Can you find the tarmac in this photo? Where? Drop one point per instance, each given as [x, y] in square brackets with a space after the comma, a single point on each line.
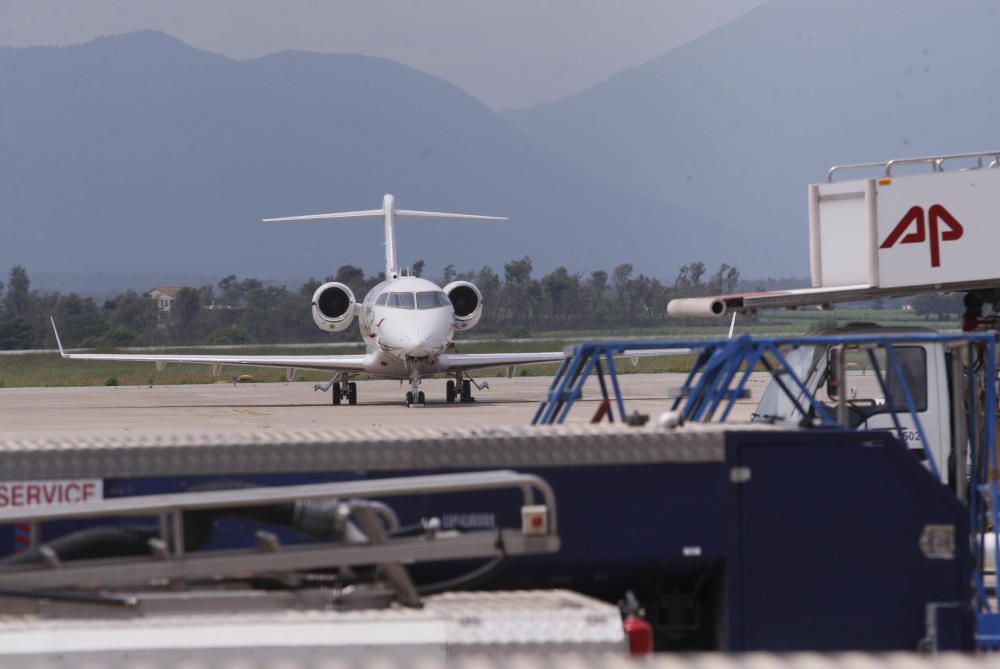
[223, 407]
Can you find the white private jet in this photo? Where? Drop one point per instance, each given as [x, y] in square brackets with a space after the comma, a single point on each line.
[407, 324]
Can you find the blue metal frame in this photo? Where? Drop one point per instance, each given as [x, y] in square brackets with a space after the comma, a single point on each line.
[709, 387]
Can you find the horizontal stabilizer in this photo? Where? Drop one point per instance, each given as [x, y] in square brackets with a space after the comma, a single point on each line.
[388, 213]
[370, 213]
[410, 213]
[380, 213]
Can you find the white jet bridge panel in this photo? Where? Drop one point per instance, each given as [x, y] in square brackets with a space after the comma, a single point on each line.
[938, 229]
[838, 222]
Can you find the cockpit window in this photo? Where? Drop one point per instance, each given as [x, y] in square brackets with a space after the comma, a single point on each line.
[401, 300]
[432, 299]
[382, 298]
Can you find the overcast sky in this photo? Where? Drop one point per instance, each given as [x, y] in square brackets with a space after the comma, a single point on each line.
[507, 53]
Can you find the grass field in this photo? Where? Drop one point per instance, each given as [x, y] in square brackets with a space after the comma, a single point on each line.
[48, 369]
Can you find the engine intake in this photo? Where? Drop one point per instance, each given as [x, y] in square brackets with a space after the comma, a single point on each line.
[467, 302]
[333, 307]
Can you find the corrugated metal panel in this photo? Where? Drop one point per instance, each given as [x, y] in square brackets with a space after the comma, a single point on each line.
[449, 624]
[369, 450]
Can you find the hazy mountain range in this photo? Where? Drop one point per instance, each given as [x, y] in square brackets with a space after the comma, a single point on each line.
[735, 125]
[138, 155]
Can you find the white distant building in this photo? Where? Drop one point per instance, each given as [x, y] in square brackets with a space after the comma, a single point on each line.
[164, 296]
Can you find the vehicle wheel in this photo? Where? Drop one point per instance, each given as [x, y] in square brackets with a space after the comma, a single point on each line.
[449, 392]
[466, 390]
[409, 397]
[336, 394]
[420, 397]
[352, 393]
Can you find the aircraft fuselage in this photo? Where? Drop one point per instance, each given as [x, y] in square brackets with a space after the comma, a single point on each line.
[406, 323]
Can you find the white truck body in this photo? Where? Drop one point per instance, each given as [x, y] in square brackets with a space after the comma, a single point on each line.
[925, 370]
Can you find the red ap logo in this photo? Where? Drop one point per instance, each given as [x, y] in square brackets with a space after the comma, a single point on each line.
[935, 215]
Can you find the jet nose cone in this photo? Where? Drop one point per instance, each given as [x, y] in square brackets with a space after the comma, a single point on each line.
[421, 346]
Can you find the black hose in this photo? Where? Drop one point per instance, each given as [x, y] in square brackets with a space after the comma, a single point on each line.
[316, 519]
[91, 543]
[471, 579]
[467, 581]
[411, 530]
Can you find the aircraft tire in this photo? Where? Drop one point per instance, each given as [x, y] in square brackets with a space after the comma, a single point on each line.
[420, 397]
[337, 396]
[449, 392]
[409, 397]
[466, 390]
[352, 393]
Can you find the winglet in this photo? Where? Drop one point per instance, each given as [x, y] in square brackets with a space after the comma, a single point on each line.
[58, 343]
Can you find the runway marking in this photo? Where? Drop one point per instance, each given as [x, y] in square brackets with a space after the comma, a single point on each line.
[251, 411]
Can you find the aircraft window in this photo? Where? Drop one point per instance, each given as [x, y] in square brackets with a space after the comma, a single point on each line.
[863, 388]
[401, 300]
[913, 362]
[432, 299]
[382, 298]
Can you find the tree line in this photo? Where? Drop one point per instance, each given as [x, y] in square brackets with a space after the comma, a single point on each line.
[247, 311]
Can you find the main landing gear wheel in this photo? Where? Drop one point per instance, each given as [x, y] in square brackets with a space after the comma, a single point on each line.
[449, 392]
[352, 393]
[467, 391]
[337, 396]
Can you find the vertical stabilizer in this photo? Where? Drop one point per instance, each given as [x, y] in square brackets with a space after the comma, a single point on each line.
[389, 208]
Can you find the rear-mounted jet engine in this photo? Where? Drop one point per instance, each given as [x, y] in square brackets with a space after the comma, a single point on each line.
[333, 307]
[467, 302]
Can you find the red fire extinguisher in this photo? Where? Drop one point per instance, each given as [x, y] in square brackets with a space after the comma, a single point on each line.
[638, 632]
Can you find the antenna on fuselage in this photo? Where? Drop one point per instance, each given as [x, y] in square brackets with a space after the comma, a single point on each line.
[388, 213]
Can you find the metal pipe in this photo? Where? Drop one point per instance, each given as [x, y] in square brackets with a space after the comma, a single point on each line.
[960, 439]
[841, 389]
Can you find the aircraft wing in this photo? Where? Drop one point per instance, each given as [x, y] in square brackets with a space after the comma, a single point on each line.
[463, 361]
[324, 363]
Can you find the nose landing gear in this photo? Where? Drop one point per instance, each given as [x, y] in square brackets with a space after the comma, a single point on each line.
[415, 396]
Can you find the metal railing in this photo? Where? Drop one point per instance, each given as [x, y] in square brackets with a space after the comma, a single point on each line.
[168, 561]
[936, 163]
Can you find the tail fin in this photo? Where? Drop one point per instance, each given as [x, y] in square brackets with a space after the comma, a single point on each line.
[388, 212]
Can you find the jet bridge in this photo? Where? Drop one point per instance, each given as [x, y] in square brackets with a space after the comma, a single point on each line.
[914, 225]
